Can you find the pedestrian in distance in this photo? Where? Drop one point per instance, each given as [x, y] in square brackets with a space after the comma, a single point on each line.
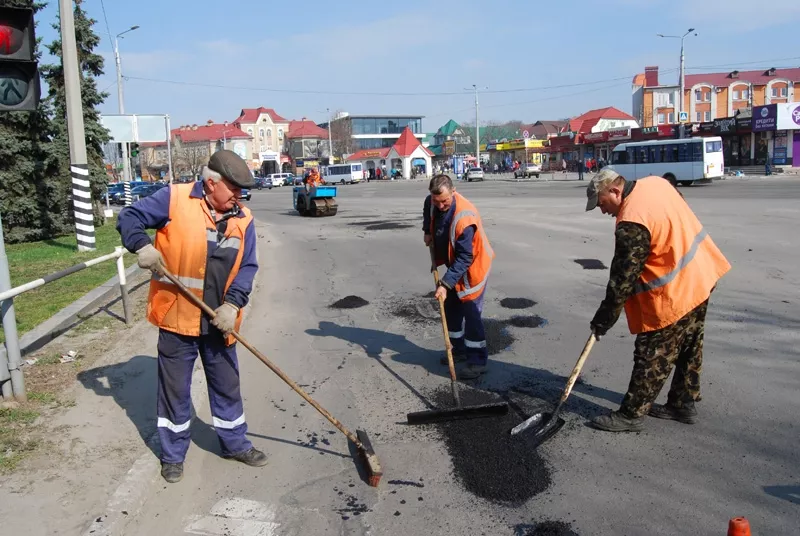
[208, 241]
[452, 226]
[664, 269]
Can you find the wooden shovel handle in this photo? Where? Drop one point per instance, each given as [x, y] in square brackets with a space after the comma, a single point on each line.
[210, 312]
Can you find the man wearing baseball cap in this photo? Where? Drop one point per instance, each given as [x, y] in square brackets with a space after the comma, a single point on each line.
[664, 269]
[208, 241]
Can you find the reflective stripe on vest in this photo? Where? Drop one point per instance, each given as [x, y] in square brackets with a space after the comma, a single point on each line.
[666, 278]
[189, 282]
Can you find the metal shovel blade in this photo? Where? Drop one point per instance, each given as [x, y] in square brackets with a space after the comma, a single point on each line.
[545, 427]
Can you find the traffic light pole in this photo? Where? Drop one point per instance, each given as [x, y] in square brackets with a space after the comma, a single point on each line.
[78, 166]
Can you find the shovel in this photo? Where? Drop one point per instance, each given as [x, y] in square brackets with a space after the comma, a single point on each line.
[552, 423]
[459, 412]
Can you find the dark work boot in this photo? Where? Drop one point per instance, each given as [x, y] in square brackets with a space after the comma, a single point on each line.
[686, 414]
[172, 472]
[617, 422]
[252, 457]
[458, 357]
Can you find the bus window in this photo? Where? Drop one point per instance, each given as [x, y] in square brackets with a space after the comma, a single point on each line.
[713, 146]
[697, 152]
[683, 152]
[631, 157]
[653, 155]
[642, 156]
[619, 157]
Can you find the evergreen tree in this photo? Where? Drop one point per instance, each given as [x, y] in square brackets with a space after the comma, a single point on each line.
[27, 167]
[90, 66]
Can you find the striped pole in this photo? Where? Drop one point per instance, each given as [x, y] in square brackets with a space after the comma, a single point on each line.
[126, 186]
[82, 206]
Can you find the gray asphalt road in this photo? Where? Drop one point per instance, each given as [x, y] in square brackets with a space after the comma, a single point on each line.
[370, 367]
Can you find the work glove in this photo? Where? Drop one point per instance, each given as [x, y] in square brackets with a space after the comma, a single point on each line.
[598, 332]
[225, 318]
[150, 258]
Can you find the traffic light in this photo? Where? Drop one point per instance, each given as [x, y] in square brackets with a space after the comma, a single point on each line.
[19, 73]
[134, 150]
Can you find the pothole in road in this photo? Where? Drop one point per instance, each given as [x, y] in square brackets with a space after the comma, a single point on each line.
[591, 264]
[551, 528]
[517, 303]
[488, 461]
[349, 302]
[388, 226]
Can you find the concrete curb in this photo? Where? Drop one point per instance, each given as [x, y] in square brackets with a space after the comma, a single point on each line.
[69, 316]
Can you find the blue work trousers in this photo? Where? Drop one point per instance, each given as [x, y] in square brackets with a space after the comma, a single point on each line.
[465, 326]
[176, 357]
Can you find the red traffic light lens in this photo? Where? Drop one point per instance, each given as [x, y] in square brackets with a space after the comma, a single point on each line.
[11, 38]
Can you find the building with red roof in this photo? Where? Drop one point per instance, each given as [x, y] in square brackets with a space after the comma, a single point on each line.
[408, 156]
[268, 130]
[307, 145]
[710, 96]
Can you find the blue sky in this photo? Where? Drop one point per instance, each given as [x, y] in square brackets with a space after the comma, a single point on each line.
[436, 46]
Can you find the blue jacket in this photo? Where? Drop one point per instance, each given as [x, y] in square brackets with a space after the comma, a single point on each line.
[153, 213]
[441, 242]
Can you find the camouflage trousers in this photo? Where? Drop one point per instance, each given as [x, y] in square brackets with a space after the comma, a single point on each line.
[654, 356]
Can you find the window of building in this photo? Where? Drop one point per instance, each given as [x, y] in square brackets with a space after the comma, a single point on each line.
[260, 132]
[671, 98]
[660, 119]
[263, 148]
[736, 94]
[671, 117]
[280, 133]
[745, 94]
[269, 134]
[707, 116]
[698, 117]
[698, 95]
[250, 131]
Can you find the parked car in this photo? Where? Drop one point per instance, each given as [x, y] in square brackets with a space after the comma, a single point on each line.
[281, 179]
[145, 190]
[263, 182]
[245, 194]
[528, 170]
[474, 174]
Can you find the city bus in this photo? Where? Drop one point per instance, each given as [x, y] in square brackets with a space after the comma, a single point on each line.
[344, 173]
[680, 161]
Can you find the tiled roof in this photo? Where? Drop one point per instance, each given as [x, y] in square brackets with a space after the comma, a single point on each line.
[209, 133]
[757, 78]
[406, 143]
[448, 128]
[305, 129]
[585, 122]
[370, 153]
[250, 115]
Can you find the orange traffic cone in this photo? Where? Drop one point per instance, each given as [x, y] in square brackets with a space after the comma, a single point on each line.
[738, 526]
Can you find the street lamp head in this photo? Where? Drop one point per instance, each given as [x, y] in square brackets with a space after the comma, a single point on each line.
[691, 30]
[136, 28]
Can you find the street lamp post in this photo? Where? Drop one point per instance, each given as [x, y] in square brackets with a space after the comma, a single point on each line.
[682, 73]
[126, 164]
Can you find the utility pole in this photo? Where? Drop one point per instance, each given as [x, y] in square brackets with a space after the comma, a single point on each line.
[682, 75]
[78, 166]
[330, 138]
[477, 127]
[126, 160]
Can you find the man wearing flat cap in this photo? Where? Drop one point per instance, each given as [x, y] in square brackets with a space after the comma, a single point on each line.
[664, 269]
[208, 241]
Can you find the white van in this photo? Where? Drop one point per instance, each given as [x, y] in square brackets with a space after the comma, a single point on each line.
[344, 173]
[280, 179]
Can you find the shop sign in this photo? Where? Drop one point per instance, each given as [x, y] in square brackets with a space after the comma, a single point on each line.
[789, 116]
[594, 137]
[724, 126]
[765, 117]
[450, 147]
[706, 128]
[649, 130]
[667, 130]
[780, 143]
[372, 154]
[744, 124]
[619, 134]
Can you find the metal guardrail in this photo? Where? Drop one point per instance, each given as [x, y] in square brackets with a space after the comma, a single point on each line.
[11, 361]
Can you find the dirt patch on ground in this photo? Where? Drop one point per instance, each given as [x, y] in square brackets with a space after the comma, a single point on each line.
[517, 303]
[415, 311]
[498, 339]
[487, 460]
[349, 302]
[552, 528]
[591, 264]
[529, 321]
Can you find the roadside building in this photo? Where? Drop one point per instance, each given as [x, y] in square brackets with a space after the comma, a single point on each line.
[268, 131]
[306, 146]
[407, 156]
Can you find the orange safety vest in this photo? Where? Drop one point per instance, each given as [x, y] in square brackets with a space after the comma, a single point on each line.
[471, 285]
[183, 244]
[684, 264]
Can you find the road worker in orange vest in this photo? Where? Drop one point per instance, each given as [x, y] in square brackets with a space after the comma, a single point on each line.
[664, 269]
[452, 227]
[208, 241]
